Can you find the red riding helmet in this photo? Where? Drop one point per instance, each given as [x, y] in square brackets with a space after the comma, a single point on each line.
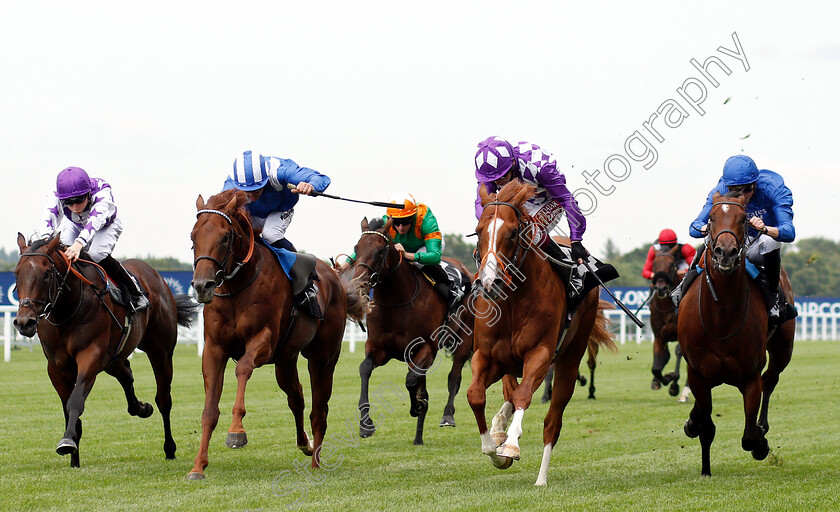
[667, 236]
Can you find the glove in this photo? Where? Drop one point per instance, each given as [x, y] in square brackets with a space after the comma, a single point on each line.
[579, 252]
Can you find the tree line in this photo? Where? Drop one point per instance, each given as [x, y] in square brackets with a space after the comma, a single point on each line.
[812, 264]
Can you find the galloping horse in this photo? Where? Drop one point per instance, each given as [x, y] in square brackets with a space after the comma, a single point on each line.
[247, 317]
[663, 319]
[83, 331]
[723, 332]
[519, 328]
[406, 321]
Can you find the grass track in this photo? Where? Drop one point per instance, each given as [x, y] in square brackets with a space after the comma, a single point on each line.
[624, 451]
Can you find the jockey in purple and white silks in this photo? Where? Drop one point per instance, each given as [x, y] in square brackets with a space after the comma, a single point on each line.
[82, 210]
[497, 162]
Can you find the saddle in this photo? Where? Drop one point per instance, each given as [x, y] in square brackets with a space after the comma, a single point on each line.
[579, 281]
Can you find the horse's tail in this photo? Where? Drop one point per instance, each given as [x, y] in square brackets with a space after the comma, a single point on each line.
[187, 309]
[358, 301]
[600, 335]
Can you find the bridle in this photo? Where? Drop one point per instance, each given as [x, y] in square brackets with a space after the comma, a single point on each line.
[378, 274]
[222, 275]
[742, 241]
[521, 250]
[670, 275]
[57, 284]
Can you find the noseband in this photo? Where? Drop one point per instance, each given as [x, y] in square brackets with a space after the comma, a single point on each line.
[742, 242]
[220, 277]
[377, 275]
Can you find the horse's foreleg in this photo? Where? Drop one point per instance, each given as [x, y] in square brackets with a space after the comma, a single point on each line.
[120, 369]
[661, 356]
[64, 386]
[87, 364]
[780, 350]
[700, 422]
[753, 439]
[366, 426]
[592, 363]
[547, 383]
[533, 372]
[477, 398]
[453, 384]
[286, 375]
[161, 362]
[674, 389]
[415, 382]
[213, 362]
[258, 350]
[566, 369]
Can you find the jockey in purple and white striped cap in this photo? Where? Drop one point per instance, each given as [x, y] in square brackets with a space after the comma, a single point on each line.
[497, 162]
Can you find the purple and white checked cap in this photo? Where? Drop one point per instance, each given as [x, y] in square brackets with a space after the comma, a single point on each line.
[493, 159]
[250, 171]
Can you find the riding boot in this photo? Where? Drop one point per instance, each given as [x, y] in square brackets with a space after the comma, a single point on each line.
[679, 291]
[443, 284]
[284, 243]
[772, 273]
[307, 300]
[136, 298]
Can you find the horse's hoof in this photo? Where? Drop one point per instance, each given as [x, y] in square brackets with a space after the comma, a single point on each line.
[674, 389]
[236, 439]
[499, 438]
[500, 462]
[762, 451]
[655, 384]
[510, 452]
[447, 421]
[309, 448]
[689, 429]
[418, 442]
[591, 396]
[366, 431]
[195, 475]
[581, 381]
[66, 447]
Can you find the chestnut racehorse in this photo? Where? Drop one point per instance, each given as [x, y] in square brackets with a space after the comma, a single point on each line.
[247, 317]
[663, 319]
[83, 332]
[406, 321]
[722, 330]
[519, 328]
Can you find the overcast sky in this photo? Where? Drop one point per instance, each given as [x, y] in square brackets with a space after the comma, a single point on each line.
[158, 98]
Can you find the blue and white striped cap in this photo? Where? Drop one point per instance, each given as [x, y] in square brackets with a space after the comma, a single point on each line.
[250, 171]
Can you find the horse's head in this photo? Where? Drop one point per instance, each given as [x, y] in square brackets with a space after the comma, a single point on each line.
[375, 259]
[500, 230]
[38, 281]
[727, 231]
[218, 237]
[665, 271]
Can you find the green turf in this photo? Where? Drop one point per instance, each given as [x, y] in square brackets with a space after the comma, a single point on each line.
[624, 451]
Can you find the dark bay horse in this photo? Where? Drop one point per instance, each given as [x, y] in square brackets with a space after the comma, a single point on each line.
[520, 328]
[247, 317]
[722, 330]
[81, 329]
[406, 321]
[591, 363]
[663, 319]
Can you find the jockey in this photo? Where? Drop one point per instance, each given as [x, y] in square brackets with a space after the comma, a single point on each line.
[497, 162]
[82, 210]
[667, 241]
[770, 215]
[271, 203]
[414, 230]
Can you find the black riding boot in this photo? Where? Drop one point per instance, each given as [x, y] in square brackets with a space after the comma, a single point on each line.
[284, 243]
[444, 285]
[690, 276]
[137, 300]
[770, 290]
[307, 300]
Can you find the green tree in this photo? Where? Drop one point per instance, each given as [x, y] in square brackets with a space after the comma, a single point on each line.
[460, 249]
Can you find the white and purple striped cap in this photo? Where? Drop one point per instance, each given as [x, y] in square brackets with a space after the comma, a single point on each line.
[493, 159]
[250, 171]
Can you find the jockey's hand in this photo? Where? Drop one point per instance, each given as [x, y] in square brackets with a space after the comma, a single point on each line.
[303, 188]
[579, 252]
[705, 230]
[341, 267]
[73, 251]
[757, 223]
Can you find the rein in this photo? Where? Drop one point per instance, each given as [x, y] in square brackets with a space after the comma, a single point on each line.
[377, 276]
[52, 299]
[221, 276]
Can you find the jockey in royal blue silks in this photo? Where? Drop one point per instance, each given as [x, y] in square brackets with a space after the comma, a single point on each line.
[271, 207]
[770, 214]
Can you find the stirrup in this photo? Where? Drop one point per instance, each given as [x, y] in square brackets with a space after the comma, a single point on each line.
[139, 303]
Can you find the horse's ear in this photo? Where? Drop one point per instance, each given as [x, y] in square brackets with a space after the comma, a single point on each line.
[387, 226]
[675, 250]
[199, 203]
[21, 241]
[523, 195]
[716, 197]
[54, 242]
[485, 196]
[364, 224]
[238, 199]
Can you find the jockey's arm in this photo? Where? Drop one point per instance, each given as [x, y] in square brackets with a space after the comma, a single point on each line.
[291, 172]
[647, 271]
[51, 216]
[555, 183]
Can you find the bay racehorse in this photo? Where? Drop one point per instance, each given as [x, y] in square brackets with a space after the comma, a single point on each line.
[84, 331]
[248, 317]
[722, 329]
[521, 327]
[663, 319]
[406, 320]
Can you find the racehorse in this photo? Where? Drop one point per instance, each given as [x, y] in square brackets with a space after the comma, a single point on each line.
[248, 317]
[722, 329]
[519, 327]
[84, 331]
[406, 320]
[663, 319]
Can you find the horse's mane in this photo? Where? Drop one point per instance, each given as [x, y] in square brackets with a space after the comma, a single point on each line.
[376, 223]
[516, 192]
[217, 201]
[733, 193]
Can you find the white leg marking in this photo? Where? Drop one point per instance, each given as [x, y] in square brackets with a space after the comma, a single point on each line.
[542, 478]
[500, 420]
[515, 429]
[488, 446]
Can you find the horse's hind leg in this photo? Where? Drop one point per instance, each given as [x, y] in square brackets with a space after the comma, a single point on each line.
[258, 352]
[453, 384]
[780, 350]
[64, 387]
[753, 439]
[700, 422]
[674, 388]
[592, 363]
[161, 361]
[563, 389]
[286, 375]
[321, 379]
[547, 383]
[415, 383]
[120, 369]
[661, 356]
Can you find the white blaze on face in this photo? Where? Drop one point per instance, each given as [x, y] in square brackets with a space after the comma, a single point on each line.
[488, 273]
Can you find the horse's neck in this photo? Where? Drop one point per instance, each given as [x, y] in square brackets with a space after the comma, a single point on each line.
[731, 289]
[399, 285]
